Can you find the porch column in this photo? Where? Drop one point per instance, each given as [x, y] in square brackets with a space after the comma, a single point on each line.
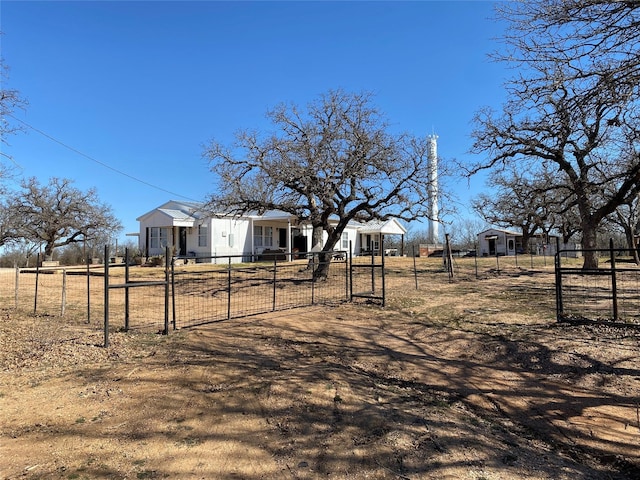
[253, 248]
[174, 232]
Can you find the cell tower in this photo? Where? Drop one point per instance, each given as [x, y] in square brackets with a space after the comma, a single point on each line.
[432, 167]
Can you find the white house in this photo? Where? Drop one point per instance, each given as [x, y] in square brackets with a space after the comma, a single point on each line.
[191, 232]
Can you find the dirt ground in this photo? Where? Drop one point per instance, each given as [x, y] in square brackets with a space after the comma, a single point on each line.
[470, 379]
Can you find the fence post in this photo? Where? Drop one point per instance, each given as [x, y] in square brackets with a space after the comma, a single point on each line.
[449, 257]
[350, 271]
[106, 296]
[313, 280]
[64, 292]
[384, 300]
[35, 295]
[415, 270]
[88, 291]
[558, 268]
[167, 261]
[17, 286]
[126, 289]
[614, 281]
[347, 265]
[173, 291]
[229, 290]
[373, 275]
[275, 269]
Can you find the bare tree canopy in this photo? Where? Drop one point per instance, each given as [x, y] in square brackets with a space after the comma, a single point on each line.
[627, 218]
[519, 200]
[596, 41]
[332, 163]
[574, 107]
[59, 214]
[10, 101]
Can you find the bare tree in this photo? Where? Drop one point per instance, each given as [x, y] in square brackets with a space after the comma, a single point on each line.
[464, 233]
[8, 224]
[573, 107]
[627, 217]
[595, 41]
[59, 214]
[330, 164]
[10, 100]
[519, 201]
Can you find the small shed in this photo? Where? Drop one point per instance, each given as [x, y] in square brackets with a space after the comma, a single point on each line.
[496, 241]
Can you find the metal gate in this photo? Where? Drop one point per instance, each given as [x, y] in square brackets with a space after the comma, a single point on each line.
[366, 276]
[608, 294]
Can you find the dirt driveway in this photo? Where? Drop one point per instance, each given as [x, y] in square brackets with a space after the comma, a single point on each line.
[460, 380]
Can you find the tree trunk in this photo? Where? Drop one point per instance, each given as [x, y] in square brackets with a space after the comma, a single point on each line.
[316, 245]
[324, 257]
[589, 245]
[526, 238]
[316, 236]
[48, 252]
[632, 244]
[323, 262]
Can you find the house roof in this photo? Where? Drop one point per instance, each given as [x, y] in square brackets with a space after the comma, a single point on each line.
[500, 230]
[385, 227]
[270, 215]
[179, 213]
[177, 210]
[176, 214]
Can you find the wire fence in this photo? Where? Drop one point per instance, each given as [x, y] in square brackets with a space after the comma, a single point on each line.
[230, 287]
[463, 267]
[75, 293]
[227, 288]
[607, 294]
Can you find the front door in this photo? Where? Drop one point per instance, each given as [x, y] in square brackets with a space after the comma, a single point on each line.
[492, 246]
[282, 238]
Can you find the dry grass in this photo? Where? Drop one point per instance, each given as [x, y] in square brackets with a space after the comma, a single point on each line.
[470, 378]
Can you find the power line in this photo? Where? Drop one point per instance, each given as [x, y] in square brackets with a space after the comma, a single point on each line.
[102, 164]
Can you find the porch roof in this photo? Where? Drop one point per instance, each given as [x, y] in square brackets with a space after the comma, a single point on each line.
[180, 219]
[271, 215]
[495, 231]
[384, 227]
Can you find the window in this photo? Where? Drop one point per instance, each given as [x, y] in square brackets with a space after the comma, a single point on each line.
[262, 236]
[345, 240]
[202, 235]
[157, 237]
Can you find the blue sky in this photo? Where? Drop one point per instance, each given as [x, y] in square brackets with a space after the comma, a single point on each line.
[125, 94]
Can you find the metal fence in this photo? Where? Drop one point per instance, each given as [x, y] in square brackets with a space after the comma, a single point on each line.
[229, 287]
[225, 287]
[608, 294]
[71, 292]
[461, 266]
